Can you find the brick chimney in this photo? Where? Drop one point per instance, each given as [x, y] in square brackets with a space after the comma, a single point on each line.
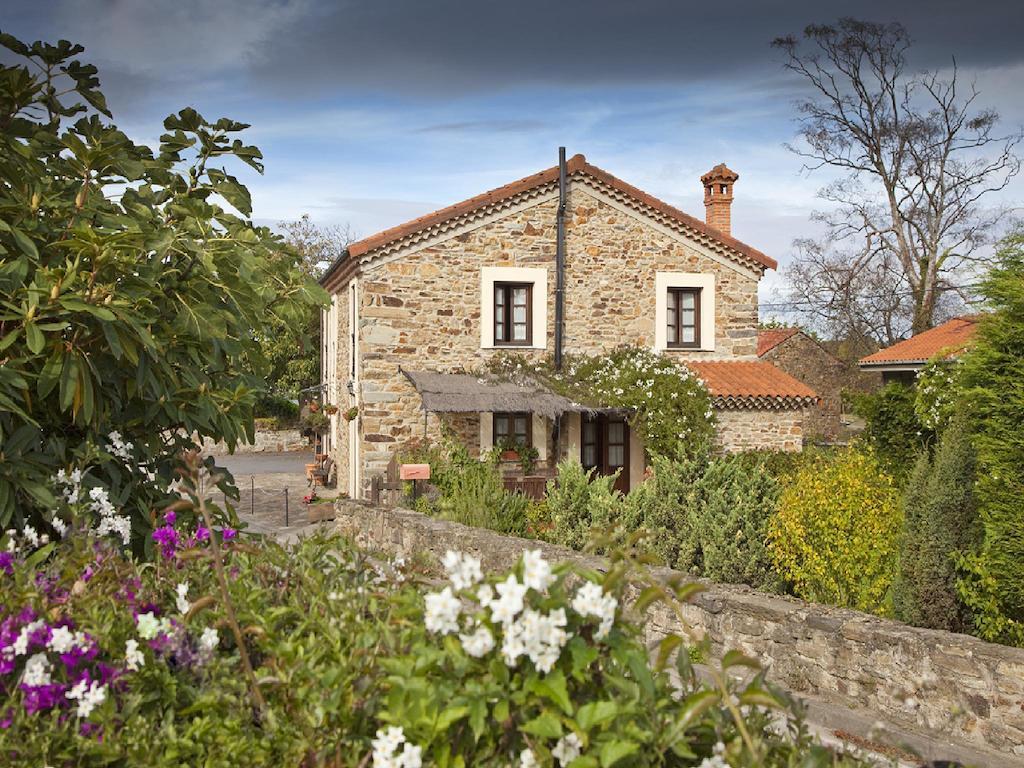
[718, 197]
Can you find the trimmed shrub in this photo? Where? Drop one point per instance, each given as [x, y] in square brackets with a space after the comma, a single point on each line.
[893, 429]
[836, 535]
[992, 376]
[271, 406]
[708, 518]
[939, 519]
[580, 501]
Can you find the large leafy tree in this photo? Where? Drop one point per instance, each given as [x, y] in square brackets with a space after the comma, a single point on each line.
[133, 288]
[993, 379]
[918, 162]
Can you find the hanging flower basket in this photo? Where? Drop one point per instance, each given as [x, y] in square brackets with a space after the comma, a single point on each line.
[351, 413]
[314, 407]
[330, 410]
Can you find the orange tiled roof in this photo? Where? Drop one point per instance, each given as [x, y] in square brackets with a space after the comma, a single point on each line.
[739, 383]
[769, 338]
[949, 338]
[576, 164]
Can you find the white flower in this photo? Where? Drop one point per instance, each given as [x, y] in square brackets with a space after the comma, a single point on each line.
[20, 645]
[37, 670]
[88, 695]
[478, 644]
[386, 745]
[485, 594]
[590, 600]
[209, 639]
[182, 600]
[59, 526]
[149, 626]
[133, 657]
[536, 570]
[509, 602]
[442, 612]
[30, 535]
[538, 636]
[567, 749]
[527, 759]
[62, 640]
[462, 569]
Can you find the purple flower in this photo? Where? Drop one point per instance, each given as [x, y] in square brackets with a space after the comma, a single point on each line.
[41, 697]
[7, 719]
[167, 538]
[202, 534]
[229, 534]
[87, 729]
[7, 562]
[170, 517]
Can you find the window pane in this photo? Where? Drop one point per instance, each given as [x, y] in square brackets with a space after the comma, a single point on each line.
[500, 426]
[521, 425]
[616, 455]
[616, 432]
[589, 456]
[499, 296]
[519, 332]
[688, 316]
[671, 333]
[689, 335]
[687, 300]
[519, 296]
[519, 314]
[499, 331]
[589, 432]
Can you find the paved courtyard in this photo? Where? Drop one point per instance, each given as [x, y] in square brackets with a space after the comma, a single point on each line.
[271, 487]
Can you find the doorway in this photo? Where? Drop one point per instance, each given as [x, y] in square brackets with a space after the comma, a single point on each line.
[604, 446]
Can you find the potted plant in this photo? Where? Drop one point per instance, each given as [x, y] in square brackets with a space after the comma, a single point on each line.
[313, 406]
[318, 509]
[315, 422]
[527, 458]
[508, 449]
[330, 409]
[351, 413]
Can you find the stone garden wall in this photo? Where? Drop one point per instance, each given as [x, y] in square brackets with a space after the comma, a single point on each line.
[749, 429]
[267, 441]
[948, 684]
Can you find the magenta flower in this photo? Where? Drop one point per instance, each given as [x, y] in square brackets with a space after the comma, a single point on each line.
[202, 534]
[229, 534]
[170, 517]
[7, 562]
[167, 538]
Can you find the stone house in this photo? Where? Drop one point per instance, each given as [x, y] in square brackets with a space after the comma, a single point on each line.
[570, 260]
[801, 356]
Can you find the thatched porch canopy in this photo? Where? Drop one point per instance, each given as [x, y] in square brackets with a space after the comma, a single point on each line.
[464, 393]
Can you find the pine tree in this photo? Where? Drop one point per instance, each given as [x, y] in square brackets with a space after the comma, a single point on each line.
[940, 518]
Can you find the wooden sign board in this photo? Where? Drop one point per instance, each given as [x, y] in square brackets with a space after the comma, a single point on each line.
[414, 472]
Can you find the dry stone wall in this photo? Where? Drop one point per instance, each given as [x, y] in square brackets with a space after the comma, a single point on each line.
[266, 441]
[750, 429]
[947, 684]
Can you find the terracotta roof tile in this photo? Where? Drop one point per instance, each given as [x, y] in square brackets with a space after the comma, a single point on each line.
[769, 338]
[754, 382]
[576, 164]
[949, 338]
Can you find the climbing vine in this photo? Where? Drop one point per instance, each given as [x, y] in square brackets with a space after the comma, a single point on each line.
[667, 405]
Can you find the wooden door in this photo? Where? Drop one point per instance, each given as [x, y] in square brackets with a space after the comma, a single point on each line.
[604, 446]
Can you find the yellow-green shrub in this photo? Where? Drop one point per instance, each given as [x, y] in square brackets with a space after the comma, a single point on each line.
[836, 534]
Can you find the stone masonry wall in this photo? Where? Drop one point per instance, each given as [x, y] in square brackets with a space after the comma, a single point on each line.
[751, 429]
[422, 310]
[804, 359]
[267, 441]
[949, 684]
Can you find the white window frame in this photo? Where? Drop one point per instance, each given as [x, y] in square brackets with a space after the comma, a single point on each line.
[705, 283]
[538, 278]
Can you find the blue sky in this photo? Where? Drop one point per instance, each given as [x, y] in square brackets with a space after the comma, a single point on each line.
[371, 113]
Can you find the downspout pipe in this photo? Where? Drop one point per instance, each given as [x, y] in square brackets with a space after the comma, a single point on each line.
[560, 261]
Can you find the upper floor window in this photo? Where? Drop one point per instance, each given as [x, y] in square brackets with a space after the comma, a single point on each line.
[513, 314]
[682, 318]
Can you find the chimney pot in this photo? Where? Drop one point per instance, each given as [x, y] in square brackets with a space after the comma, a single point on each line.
[718, 183]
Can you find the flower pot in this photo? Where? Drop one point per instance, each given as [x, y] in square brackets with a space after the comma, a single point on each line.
[320, 511]
[510, 455]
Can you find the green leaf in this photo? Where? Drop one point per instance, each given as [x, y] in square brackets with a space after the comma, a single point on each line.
[451, 715]
[546, 725]
[39, 555]
[736, 658]
[34, 338]
[665, 648]
[695, 705]
[553, 687]
[614, 751]
[596, 713]
[25, 243]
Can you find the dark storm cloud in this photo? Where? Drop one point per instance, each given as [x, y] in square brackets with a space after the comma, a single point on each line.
[445, 46]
